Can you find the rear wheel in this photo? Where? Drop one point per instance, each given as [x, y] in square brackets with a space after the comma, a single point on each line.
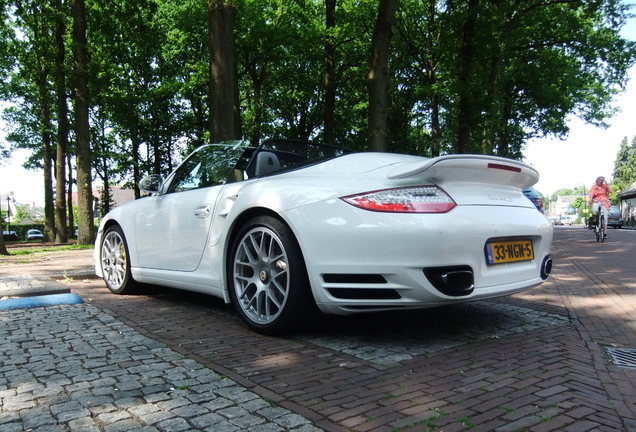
[267, 277]
[115, 261]
[597, 231]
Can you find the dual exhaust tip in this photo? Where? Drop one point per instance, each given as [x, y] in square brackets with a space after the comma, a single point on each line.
[546, 267]
[458, 281]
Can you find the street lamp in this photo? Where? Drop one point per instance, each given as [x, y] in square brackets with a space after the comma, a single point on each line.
[8, 213]
[585, 212]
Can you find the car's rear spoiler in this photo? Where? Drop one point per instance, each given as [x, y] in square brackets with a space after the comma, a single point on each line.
[469, 168]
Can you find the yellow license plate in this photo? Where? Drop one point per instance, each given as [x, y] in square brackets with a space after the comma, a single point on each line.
[498, 252]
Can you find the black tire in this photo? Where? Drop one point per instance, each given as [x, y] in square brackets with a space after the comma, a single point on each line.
[114, 260]
[267, 277]
[603, 228]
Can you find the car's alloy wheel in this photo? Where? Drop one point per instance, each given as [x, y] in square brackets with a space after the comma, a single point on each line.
[268, 279]
[115, 262]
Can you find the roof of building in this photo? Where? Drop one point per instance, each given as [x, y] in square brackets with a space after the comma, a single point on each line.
[630, 192]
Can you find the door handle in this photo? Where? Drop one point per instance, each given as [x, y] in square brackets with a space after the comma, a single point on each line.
[202, 211]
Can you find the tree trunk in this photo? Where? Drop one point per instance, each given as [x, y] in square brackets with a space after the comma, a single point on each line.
[84, 186]
[62, 128]
[378, 78]
[69, 195]
[223, 77]
[330, 80]
[135, 161]
[45, 124]
[257, 103]
[465, 117]
[436, 135]
[3, 247]
[493, 112]
[105, 197]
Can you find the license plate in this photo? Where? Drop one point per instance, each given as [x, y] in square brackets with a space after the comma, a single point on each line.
[498, 252]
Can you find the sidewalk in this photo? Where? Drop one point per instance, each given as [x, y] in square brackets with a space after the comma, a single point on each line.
[169, 360]
[75, 367]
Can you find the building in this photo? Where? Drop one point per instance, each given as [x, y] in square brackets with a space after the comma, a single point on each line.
[118, 194]
[563, 206]
[628, 205]
[8, 206]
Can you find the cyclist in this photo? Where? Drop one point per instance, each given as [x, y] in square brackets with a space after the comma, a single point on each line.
[599, 196]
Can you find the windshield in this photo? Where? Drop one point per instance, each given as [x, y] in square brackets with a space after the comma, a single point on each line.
[232, 161]
[211, 165]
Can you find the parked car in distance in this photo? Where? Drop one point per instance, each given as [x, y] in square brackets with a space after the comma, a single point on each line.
[10, 235]
[568, 219]
[614, 217]
[534, 196]
[34, 234]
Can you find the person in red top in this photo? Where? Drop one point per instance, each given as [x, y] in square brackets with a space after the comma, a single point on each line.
[599, 197]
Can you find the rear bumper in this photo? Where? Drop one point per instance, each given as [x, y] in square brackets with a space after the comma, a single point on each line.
[359, 261]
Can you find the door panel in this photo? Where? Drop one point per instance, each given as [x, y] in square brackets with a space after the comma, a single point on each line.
[172, 230]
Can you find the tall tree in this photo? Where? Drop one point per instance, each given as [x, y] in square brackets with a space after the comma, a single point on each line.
[378, 78]
[467, 105]
[330, 70]
[225, 116]
[62, 124]
[33, 86]
[159, 75]
[625, 166]
[83, 149]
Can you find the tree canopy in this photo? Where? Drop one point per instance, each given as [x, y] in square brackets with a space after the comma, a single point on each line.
[625, 166]
[477, 76]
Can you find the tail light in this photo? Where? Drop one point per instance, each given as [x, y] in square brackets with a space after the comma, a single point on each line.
[413, 199]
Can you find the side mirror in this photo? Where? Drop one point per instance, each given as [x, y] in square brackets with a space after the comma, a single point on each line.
[150, 183]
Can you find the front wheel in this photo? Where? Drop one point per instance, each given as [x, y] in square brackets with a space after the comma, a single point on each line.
[603, 229]
[267, 277]
[115, 261]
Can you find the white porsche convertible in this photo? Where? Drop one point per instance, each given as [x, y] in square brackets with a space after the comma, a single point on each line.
[290, 227]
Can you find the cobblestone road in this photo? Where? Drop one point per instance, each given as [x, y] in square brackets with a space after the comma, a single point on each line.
[169, 360]
[77, 368]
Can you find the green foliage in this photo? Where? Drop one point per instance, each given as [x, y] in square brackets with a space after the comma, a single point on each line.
[578, 203]
[563, 191]
[21, 213]
[624, 167]
[532, 64]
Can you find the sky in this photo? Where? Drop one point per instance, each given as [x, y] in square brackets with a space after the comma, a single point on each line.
[586, 153]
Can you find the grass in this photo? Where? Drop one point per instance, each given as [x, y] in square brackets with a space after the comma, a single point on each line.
[466, 422]
[29, 251]
[430, 422]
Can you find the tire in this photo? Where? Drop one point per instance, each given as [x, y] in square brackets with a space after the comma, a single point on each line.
[115, 262]
[603, 229]
[267, 277]
[597, 231]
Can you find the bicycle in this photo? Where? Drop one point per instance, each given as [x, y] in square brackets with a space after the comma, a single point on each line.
[600, 228]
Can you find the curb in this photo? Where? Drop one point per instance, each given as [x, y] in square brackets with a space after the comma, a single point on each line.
[39, 301]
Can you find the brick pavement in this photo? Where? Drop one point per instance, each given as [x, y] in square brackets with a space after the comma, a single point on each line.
[552, 375]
